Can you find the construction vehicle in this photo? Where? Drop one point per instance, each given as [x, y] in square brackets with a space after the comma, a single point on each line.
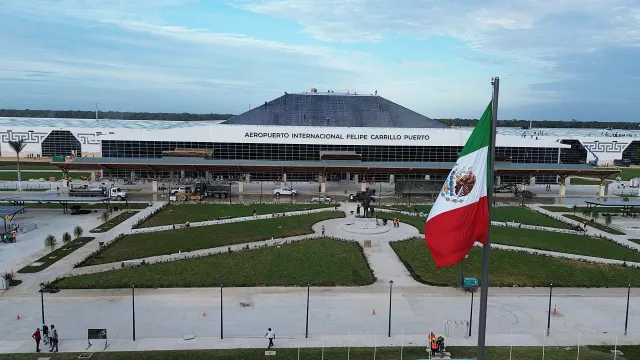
[98, 191]
[203, 190]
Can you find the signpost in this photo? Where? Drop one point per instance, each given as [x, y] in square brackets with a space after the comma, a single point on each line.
[97, 334]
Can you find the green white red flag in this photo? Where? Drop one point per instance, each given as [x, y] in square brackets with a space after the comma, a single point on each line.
[460, 215]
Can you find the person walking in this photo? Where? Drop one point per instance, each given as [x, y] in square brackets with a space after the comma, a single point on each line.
[323, 230]
[54, 339]
[271, 335]
[36, 336]
[45, 334]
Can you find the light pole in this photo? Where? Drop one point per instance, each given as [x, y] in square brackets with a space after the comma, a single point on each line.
[462, 270]
[221, 312]
[471, 313]
[133, 307]
[260, 192]
[626, 318]
[390, 292]
[42, 302]
[306, 329]
[549, 312]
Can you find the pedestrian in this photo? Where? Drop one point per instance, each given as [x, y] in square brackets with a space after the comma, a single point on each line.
[254, 213]
[54, 339]
[322, 230]
[271, 335]
[45, 333]
[36, 336]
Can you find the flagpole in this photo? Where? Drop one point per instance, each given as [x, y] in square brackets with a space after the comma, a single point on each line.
[486, 249]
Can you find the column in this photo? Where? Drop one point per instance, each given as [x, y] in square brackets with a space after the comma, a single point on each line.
[348, 176]
[154, 186]
[363, 186]
[133, 175]
[247, 178]
[93, 176]
[601, 189]
[498, 181]
[563, 186]
[568, 181]
[240, 187]
[392, 179]
[284, 180]
[207, 175]
[323, 188]
[183, 174]
[532, 181]
[355, 178]
[427, 177]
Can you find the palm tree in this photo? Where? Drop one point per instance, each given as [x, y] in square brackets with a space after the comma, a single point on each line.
[586, 212]
[607, 220]
[50, 242]
[77, 231]
[574, 208]
[66, 237]
[105, 216]
[595, 215]
[18, 146]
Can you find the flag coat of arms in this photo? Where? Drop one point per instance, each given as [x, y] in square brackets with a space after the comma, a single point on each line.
[460, 215]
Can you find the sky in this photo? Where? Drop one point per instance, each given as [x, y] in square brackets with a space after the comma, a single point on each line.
[557, 59]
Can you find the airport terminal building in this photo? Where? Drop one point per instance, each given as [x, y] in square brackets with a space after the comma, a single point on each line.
[343, 135]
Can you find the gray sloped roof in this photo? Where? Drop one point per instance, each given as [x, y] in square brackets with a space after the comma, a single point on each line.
[334, 110]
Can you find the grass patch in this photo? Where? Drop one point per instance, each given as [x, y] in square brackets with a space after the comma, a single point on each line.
[27, 165]
[519, 214]
[565, 243]
[139, 246]
[59, 253]
[13, 176]
[180, 214]
[509, 268]
[324, 262]
[578, 210]
[594, 224]
[382, 353]
[584, 181]
[637, 241]
[91, 206]
[627, 173]
[113, 222]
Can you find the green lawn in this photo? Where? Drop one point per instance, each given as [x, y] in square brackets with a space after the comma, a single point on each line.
[382, 353]
[115, 220]
[27, 165]
[637, 241]
[627, 173]
[92, 206]
[569, 209]
[519, 214]
[138, 246]
[584, 181]
[180, 214]
[324, 262]
[594, 224]
[13, 176]
[565, 243]
[52, 257]
[512, 269]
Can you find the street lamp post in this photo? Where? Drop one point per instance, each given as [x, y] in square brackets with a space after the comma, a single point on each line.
[549, 312]
[471, 314]
[221, 312]
[390, 292]
[626, 318]
[306, 329]
[42, 302]
[133, 307]
[462, 270]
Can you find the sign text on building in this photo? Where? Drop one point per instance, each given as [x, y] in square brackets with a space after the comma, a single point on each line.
[335, 136]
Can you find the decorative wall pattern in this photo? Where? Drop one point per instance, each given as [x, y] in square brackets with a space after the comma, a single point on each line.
[88, 138]
[28, 136]
[605, 147]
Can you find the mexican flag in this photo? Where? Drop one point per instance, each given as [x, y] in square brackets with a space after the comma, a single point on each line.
[460, 215]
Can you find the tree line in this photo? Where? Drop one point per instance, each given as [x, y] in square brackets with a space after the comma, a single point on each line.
[547, 124]
[117, 115]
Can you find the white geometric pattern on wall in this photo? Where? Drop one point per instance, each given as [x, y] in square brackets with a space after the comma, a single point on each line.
[88, 138]
[605, 147]
[29, 137]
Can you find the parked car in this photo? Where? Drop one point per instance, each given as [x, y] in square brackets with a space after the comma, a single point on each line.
[508, 188]
[525, 194]
[285, 191]
[321, 199]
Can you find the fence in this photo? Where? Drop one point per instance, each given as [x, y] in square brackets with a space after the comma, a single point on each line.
[28, 186]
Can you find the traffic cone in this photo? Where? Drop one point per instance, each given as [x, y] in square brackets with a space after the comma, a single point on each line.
[374, 312]
[555, 310]
[18, 317]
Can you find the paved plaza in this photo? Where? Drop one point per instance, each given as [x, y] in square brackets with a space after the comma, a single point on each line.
[337, 316]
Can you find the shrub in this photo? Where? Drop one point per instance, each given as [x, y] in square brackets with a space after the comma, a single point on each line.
[66, 238]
